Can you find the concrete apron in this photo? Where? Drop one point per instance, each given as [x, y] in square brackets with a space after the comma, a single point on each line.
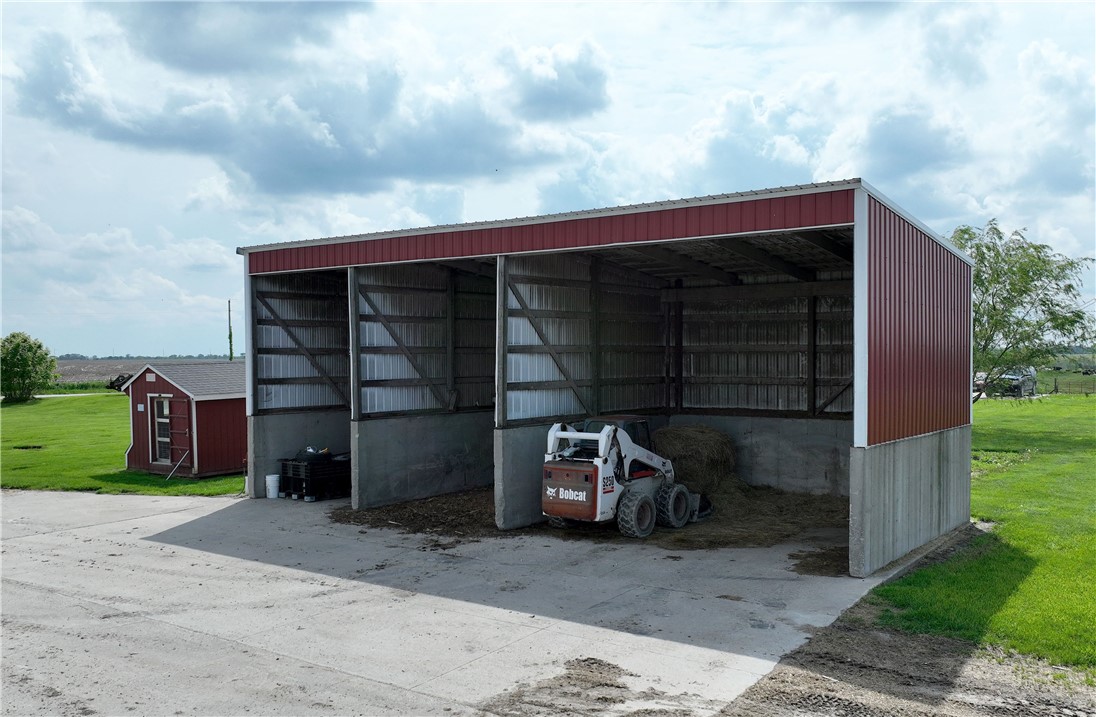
[223, 606]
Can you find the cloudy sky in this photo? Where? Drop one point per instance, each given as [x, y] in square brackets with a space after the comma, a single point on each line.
[144, 142]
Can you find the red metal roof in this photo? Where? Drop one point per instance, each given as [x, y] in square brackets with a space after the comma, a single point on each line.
[799, 207]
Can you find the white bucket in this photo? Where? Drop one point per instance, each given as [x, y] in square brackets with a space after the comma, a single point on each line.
[272, 482]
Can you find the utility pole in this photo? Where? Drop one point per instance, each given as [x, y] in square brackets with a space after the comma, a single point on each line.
[230, 357]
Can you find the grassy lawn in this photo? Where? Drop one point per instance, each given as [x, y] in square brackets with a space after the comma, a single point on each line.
[79, 443]
[60, 389]
[1029, 585]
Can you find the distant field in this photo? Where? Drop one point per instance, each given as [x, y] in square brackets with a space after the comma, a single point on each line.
[93, 375]
[96, 371]
[1065, 382]
[1070, 362]
[79, 443]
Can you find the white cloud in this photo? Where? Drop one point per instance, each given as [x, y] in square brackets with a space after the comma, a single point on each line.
[558, 82]
[318, 136]
[214, 192]
[65, 288]
[143, 143]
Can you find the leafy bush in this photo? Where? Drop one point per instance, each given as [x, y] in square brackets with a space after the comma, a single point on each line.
[26, 367]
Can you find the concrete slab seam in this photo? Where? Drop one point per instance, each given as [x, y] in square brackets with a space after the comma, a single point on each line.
[97, 525]
[487, 654]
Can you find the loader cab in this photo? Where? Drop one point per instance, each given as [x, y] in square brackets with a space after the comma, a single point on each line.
[635, 426]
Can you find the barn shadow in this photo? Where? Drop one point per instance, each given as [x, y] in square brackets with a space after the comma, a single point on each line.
[742, 601]
[745, 601]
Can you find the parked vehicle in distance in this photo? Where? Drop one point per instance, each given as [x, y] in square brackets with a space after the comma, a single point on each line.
[979, 384]
[1018, 381]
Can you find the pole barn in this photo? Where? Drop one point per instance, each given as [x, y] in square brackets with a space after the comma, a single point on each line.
[821, 326]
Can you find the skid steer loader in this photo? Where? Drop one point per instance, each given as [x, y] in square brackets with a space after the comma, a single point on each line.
[607, 471]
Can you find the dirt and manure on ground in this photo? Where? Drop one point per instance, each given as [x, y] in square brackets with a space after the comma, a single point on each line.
[852, 668]
[846, 670]
[742, 515]
[589, 687]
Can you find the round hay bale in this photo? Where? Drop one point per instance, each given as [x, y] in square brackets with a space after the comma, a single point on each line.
[703, 458]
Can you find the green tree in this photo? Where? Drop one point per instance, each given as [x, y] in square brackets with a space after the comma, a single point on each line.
[1027, 300]
[26, 366]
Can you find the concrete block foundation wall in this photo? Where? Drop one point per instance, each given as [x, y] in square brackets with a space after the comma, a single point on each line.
[409, 457]
[797, 455]
[904, 494]
[271, 438]
[519, 460]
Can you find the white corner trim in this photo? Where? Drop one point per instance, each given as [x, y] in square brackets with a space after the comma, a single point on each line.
[249, 347]
[860, 319]
[193, 437]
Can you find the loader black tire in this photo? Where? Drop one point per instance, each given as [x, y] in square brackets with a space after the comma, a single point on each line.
[557, 522]
[636, 514]
[673, 505]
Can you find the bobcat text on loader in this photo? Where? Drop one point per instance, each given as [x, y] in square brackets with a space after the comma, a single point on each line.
[606, 470]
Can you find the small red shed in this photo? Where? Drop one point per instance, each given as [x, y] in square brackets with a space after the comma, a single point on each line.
[188, 418]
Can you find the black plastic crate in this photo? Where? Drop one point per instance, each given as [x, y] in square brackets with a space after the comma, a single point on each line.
[315, 479]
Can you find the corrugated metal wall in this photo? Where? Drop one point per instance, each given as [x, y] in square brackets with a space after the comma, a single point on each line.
[607, 346]
[555, 292]
[732, 216]
[632, 340]
[409, 360]
[755, 354]
[918, 331]
[292, 311]
[475, 341]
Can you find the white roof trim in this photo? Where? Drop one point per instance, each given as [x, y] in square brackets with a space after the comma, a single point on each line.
[220, 396]
[884, 199]
[149, 367]
[133, 378]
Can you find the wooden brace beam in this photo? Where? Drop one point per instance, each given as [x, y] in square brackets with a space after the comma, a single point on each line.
[834, 397]
[435, 386]
[548, 345]
[303, 349]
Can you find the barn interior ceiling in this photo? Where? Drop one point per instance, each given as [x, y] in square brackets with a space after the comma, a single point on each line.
[775, 258]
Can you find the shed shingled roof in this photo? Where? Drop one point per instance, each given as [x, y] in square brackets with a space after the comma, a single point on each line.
[203, 379]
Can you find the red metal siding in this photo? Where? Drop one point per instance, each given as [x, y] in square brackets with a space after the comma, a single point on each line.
[732, 217]
[918, 331]
[139, 456]
[222, 436]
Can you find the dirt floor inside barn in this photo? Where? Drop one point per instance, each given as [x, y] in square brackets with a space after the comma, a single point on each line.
[851, 668]
[743, 516]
